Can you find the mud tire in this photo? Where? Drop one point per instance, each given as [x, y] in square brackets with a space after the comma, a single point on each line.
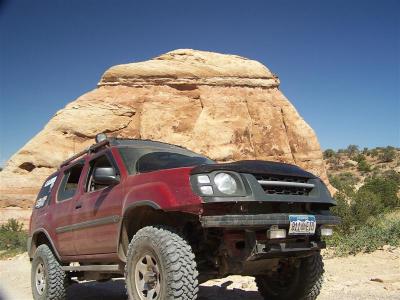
[305, 284]
[175, 260]
[56, 280]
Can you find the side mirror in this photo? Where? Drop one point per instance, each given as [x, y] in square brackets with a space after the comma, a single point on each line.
[105, 176]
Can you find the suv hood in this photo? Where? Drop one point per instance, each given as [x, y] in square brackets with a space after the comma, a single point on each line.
[255, 167]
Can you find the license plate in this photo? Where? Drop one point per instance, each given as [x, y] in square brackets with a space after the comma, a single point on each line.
[302, 224]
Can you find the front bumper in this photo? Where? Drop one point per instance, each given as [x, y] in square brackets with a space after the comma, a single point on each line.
[259, 220]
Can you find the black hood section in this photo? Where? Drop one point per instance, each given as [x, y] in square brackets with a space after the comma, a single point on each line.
[255, 167]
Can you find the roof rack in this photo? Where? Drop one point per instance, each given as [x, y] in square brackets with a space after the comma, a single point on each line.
[119, 141]
[114, 141]
[91, 149]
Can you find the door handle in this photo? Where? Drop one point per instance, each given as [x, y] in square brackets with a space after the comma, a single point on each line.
[78, 206]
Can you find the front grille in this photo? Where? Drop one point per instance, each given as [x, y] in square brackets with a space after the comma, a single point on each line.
[284, 185]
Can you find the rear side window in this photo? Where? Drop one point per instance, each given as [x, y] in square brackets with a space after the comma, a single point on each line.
[129, 156]
[69, 183]
[45, 192]
[167, 160]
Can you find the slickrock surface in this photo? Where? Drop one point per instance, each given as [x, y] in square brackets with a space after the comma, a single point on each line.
[225, 106]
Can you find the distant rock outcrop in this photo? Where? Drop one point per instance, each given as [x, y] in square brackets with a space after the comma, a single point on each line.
[225, 106]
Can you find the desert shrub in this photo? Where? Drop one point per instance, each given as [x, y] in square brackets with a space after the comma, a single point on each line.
[357, 208]
[365, 225]
[385, 188]
[365, 205]
[328, 153]
[352, 150]
[334, 161]
[371, 236]
[363, 166]
[374, 152]
[12, 238]
[344, 182]
[348, 164]
[359, 157]
[377, 195]
[388, 154]
[392, 175]
[343, 210]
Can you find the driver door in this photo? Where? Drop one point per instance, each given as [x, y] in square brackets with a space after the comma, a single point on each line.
[97, 212]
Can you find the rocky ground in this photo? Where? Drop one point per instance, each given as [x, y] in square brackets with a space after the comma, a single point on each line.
[364, 276]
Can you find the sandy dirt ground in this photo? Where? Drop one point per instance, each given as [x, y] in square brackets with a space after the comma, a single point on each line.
[364, 276]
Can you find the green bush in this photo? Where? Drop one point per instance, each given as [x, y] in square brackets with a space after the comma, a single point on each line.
[392, 175]
[359, 158]
[334, 161]
[374, 152]
[363, 166]
[365, 223]
[12, 238]
[378, 232]
[366, 204]
[343, 210]
[328, 153]
[352, 150]
[388, 154]
[348, 164]
[385, 188]
[344, 182]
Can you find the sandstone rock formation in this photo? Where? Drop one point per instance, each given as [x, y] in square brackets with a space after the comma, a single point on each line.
[225, 106]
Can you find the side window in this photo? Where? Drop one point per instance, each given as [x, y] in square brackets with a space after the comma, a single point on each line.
[129, 157]
[100, 162]
[69, 183]
[45, 192]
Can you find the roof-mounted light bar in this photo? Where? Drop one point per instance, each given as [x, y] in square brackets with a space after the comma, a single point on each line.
[100, 137]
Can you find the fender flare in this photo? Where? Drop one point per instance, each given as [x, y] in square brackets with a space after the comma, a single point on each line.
[30, 241]
[141, 203]
[137, 204]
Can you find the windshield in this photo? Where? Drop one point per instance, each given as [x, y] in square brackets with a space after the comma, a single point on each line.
[148, 160]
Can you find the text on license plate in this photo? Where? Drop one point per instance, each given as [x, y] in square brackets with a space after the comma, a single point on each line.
[302, 224]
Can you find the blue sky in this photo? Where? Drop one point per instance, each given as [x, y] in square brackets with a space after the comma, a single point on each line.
[338, 61]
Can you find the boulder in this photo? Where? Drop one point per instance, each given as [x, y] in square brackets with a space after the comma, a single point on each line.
[224, 106]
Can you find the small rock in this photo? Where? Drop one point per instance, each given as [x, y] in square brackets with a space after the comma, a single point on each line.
[351, 162]
[376, 280]
[388, 248]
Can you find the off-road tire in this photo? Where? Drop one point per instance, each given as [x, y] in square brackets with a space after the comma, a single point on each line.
[305, 284]
[178, 271]
[56, 278]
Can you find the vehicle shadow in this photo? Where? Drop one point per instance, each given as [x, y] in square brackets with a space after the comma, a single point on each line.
[115, 290]
[93, 290]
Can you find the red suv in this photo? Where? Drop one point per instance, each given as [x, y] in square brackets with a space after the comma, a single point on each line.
[168, 219]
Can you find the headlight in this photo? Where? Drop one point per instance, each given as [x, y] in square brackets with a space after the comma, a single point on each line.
[225, 183]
